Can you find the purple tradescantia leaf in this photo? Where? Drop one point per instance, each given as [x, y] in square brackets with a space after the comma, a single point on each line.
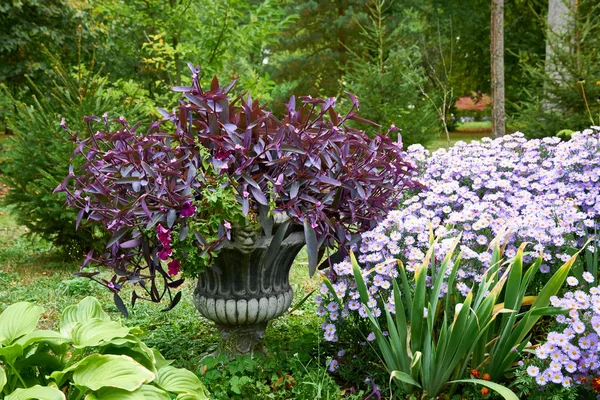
[245, 205]
[294, 189]
[131, 243]
[292, 149]
[330, 181]
[250, 181]
[259, 196]
[311, 247]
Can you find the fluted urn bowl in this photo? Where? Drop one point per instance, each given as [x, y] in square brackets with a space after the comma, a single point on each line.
[241, 293]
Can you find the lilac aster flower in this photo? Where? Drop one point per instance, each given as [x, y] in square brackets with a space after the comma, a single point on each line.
[544, 191]
[572, 281]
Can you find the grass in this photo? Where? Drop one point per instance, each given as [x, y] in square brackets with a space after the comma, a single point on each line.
[467, 132]
[31, 271]
[441, 142]
[476, 126]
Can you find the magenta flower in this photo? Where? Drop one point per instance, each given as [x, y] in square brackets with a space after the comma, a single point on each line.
[174, 267]
[164, 235]
[165, 253]
[188, 209]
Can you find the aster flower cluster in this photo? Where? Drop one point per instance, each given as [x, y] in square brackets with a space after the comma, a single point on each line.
[544, 191]
[570, 357]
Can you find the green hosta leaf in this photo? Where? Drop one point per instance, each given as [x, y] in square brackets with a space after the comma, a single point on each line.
[96, 331]
[180, 381]
[137, 350]
[17, 320]
[160, 360]
[86, 310]
[10, 353]
[501, 390]
[36, 392]
[2, 379]
[39, 335]
[153, 393]
[122, 372]
[145, 392]
[187, 396]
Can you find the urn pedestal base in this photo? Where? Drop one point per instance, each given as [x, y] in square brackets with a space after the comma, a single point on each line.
[245, 339]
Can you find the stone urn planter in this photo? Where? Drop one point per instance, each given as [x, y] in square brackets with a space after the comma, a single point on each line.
[241, 293]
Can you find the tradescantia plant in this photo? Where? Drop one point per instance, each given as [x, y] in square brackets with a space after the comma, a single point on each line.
[174, 193]
[89, 356]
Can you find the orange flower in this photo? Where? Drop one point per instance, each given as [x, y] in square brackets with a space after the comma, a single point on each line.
[486, 377]
[485, 391]
[596, 384]
[475, 373]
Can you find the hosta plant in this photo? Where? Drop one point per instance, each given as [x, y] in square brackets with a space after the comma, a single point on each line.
[175, 193]
[90, 356]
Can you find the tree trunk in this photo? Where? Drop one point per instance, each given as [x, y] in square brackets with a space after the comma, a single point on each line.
[497, 72]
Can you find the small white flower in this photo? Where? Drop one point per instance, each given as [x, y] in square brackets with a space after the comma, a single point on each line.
[533, 371]
[572, 281]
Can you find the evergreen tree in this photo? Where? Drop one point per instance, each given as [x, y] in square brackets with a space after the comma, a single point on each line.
[311, 56]
[565, 82]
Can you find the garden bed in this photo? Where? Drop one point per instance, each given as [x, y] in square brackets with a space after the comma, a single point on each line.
[544, 192]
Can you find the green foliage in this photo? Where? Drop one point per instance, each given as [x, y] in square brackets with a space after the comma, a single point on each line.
[564, 85]
[6, 106]
[269, 377]
[311, 56]
[37, 157]
[27, 24]
[385, 75]
[438, 345]
[90, 355]
[151, 41]
[495, 353]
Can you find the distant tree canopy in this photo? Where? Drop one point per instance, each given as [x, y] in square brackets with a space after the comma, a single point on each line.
[26, 25]
[284, 47]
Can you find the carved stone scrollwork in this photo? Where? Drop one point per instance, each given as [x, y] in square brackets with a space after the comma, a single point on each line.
[241, 294]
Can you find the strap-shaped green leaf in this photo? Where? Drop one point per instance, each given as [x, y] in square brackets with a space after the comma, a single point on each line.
[503, 391]
[3, 379]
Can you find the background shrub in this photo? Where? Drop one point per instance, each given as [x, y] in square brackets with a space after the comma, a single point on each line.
[36, 159]
[556, 102]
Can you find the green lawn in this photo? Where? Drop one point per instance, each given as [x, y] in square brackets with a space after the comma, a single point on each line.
[455, 137]
[474, 126]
